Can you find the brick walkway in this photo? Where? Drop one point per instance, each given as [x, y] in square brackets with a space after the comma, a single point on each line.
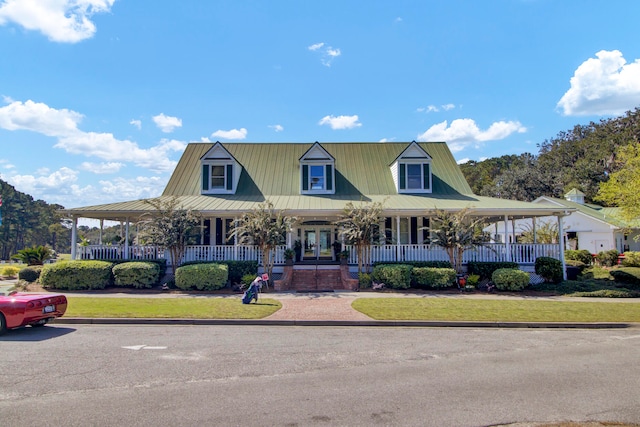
[316, 307]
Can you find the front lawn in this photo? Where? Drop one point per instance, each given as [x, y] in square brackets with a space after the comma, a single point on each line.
[170, 308]
[456, 309]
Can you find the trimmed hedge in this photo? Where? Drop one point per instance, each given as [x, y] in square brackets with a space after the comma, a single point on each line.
[396, 276]
[136, 274]
[631, 259]
[237, 269]
[30, 274]
[77, 275]
[629, 276]
[485, 269]
[510, 279]
[420, 264]
[434, 278]
[581, 255]
[202, 277]
[550, 269]
[607, 258]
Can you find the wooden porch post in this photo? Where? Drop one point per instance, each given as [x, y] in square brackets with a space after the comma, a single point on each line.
[398, 238]
[202, 230]
[561, 243]
[74, 236]
[535, 232]
[126, 239]
[506, 238]
[101, 227]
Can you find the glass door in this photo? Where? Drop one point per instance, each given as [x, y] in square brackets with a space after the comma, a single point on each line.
[317, 243]
[310, 244]
[324, 243]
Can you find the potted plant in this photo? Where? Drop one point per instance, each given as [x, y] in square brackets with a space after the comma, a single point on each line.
[297, 247]
[289, 254]
[344, 256]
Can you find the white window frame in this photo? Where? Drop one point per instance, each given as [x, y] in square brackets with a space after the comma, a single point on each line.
[421, 164]
[218, 189]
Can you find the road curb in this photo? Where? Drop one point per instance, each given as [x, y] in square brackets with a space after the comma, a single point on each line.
[334, 323]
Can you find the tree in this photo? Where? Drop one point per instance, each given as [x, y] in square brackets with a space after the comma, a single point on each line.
[360, 227]
[545, 232]
[170, 227]
[455, 232]
[35, 255]
[265, 228]
[622, 187]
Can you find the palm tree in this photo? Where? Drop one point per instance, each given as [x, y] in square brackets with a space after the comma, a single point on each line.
[35, 255]
[360, 227]
[455, 232]
[265, 228]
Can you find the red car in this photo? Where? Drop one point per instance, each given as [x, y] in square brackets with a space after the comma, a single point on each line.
[21, 309]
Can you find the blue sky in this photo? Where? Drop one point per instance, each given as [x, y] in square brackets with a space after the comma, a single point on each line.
[98, 98]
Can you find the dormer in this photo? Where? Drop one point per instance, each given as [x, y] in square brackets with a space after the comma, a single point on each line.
[317, 171]
[220, 171]
[411, 170]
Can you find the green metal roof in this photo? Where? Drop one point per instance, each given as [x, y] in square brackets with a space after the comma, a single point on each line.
[271, 171]
[611, 216]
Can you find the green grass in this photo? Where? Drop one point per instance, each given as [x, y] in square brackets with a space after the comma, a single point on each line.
[454, 309]
[172, 308]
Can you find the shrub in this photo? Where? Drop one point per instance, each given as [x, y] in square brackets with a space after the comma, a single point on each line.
[35, 255]
[485, 269]
[550, 269]
[76, 275]
[237, 269]
[30, 274]
[365, 280]
[138, 274]
[434, 278]
[510, 279]
[396, 276]
[9, 271]
[207, 277]
[247, 279]
[431, 264]
[631, 259]
[607, 258]
[473, 279]
[627, 275]
[581, 255]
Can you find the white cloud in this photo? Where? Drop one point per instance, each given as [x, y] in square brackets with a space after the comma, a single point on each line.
[464, 132]
[387, 140]
[63, 125]
[277, 128]
[65, 21]
[167, 124]
[230, 134]
[136, 123]
[327, 53]
[340, 122]
[436, 109]
[315, 47]
[141, 187]
[606, 85]
[102, 168]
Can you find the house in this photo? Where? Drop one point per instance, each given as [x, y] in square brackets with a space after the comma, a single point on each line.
[589, 226]
[314, 182]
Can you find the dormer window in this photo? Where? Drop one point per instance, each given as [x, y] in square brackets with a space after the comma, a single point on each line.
[412, 170]
[317, 171]
[220, 171]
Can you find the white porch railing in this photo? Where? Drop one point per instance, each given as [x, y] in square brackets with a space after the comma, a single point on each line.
[521, 253]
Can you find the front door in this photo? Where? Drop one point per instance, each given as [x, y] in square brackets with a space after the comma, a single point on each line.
[317, 243]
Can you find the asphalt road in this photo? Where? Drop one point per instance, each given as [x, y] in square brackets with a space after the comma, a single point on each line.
[99, 375]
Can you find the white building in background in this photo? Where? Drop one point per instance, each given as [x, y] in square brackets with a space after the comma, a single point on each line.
[591, 227]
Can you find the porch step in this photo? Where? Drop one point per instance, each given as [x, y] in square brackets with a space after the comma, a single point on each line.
[316, 279]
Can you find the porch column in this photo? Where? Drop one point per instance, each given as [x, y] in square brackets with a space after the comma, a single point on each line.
[101, 227]
[506, 238]
[235, 240]
[201, 230]
[126, 239]
[535, 232]
[74, 236]
[561, 243]
[398, 238]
